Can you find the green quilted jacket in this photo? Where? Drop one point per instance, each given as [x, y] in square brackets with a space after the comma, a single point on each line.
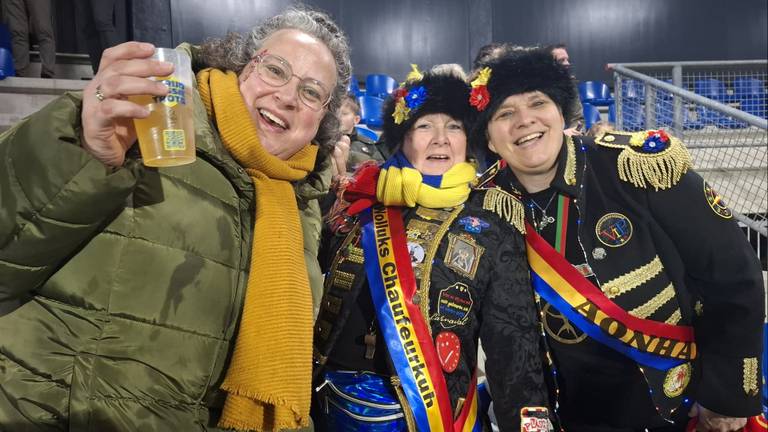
[131, 280]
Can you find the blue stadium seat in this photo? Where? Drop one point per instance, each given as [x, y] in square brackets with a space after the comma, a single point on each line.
[595, 93]
[632, 116]
[353, 87]
[751, 95]
[6, 57]
[633, 90]
[367, 133]
[370, 110]
[711, 88]
[379, 85]
[591, 115]
[748, 88]
[665, 115]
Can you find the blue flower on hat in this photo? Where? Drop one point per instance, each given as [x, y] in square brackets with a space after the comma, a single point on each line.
[416, 97]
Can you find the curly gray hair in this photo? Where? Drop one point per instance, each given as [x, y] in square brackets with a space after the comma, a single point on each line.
[236, 50]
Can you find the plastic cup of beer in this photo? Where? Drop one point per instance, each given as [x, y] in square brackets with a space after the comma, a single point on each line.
[167, 136]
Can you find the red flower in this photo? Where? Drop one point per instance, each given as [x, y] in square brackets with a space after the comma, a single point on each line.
[400, 92]
[479, 98]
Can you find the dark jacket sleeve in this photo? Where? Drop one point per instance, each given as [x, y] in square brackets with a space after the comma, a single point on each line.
[53, 195]
[510, 333]
[723, 274]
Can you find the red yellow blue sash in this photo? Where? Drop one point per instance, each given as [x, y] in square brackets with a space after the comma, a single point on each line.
[651, 343]
[410, 346]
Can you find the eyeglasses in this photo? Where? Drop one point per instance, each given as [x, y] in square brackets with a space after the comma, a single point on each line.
[277, 72]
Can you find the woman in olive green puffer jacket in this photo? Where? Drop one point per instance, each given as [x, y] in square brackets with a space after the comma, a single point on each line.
[132, 278]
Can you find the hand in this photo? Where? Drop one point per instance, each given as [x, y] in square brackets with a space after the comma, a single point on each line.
[710, 421]
[572, 131]
[340, 155]
[107, 115]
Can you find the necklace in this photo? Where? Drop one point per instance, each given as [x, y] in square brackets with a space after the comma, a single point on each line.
[545, 219]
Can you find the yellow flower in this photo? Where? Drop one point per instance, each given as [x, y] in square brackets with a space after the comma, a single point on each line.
[482, 77]
[401, 111]
[414, 74]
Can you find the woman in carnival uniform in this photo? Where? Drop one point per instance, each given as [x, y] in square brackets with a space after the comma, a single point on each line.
[632, 253]
[422, 270]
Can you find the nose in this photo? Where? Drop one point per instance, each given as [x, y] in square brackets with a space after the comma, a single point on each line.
[525, 118]
[440, 136]
[288, 94]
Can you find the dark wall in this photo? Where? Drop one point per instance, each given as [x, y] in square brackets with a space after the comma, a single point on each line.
[606, 31]
[387, 35]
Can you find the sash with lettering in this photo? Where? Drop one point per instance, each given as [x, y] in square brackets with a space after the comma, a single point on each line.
[410, 346]
[650, 343]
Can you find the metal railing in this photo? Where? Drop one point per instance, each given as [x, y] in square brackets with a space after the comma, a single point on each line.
[726, 132]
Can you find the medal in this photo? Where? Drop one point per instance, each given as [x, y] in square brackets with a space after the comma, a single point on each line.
[448, 350]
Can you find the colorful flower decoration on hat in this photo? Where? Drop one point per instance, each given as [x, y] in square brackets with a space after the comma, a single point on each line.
[407, 101]
[479, 97]
[416, 97]
[655, 141]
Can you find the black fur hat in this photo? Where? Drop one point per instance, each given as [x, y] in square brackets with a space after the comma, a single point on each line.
[523, 71]
[433, 93]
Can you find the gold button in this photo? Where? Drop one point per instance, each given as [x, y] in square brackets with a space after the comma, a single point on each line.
[614, 290]
[609, 138]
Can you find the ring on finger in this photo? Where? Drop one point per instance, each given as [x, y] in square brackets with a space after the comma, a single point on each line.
[99, 94]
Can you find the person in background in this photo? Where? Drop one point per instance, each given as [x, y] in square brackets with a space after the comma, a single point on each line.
[361, 147]
[575, 111]
[600, 128]
[651, 298]
[181, 298]
[454, 273]
[95, 21]
[19, 14]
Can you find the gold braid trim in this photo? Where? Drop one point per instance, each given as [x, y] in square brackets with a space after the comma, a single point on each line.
[648, 308]
[429, 257]
[661, 170]
[635, 278]
[507, 206]
[674, 318]
[750, 376]
[569, 174]
[409, 421]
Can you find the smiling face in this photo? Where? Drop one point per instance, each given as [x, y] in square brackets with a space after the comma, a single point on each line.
[284, 123]
[435, 143]
[527, 132]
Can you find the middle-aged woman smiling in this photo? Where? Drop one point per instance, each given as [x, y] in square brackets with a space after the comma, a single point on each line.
[171, 299]
[631, 253]
[420, 276]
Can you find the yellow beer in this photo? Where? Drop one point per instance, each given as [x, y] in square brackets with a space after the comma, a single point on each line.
[167, 136]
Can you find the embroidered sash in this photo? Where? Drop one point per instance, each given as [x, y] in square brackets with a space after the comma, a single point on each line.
[650, 343]
[410, 346]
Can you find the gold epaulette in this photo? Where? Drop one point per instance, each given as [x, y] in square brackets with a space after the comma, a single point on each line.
[641, 164]
[507, 206]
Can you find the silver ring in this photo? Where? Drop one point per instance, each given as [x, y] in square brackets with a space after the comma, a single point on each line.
[99, 94]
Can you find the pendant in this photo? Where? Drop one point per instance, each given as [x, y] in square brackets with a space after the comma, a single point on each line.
[545, 220]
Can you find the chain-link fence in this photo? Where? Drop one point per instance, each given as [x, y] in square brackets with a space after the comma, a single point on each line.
[719, 111]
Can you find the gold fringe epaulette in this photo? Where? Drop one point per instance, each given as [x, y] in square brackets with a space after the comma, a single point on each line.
[507, 206]
[660, 170]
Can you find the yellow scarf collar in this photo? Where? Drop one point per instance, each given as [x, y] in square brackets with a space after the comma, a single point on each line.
[268, 383]
[401, 185]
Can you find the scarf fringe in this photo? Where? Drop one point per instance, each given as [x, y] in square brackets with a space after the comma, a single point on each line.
[507, 206]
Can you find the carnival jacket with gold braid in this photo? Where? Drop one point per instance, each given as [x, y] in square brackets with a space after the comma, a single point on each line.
[492, 282]
[682, 236]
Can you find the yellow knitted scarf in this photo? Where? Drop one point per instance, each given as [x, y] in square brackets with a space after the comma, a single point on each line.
[402, 185]
[269, 378]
